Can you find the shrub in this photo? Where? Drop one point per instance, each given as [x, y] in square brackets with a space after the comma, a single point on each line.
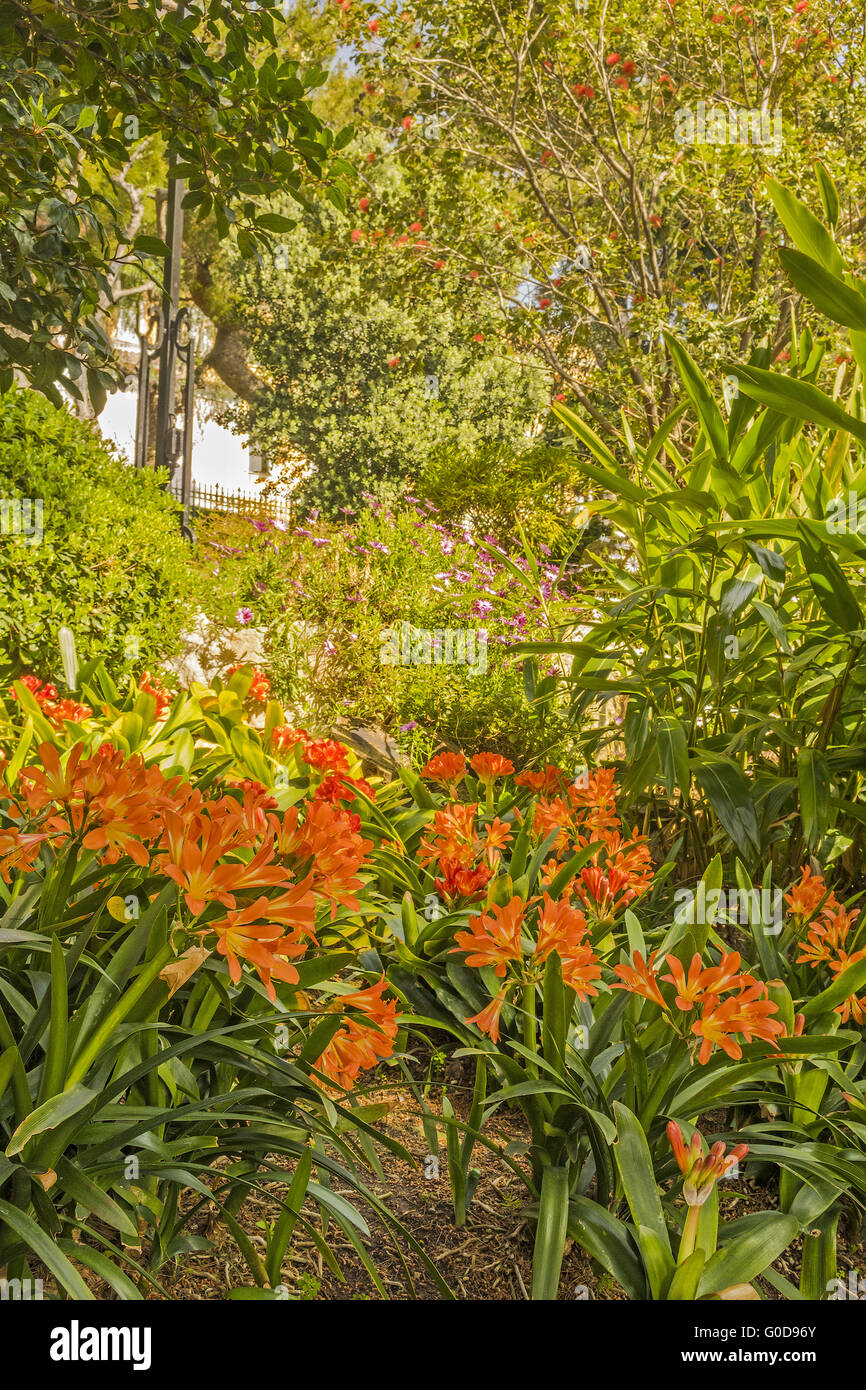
[110, 563]
[331, 596]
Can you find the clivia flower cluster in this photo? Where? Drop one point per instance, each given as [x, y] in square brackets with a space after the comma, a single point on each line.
[502, 937]
[152, 685]
[360, 1043]
[724, 1004]
[466, 853]
[248, 880]
[324, 758]
[813, 908]
[701, 1171]
[260, 686]
[583, 813]
[57, 710]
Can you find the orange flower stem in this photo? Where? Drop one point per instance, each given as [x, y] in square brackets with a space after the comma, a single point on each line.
[690, 1234]
[530, 1040]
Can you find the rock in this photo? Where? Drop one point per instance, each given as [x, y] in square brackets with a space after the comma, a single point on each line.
[372, 745]
[210, 647]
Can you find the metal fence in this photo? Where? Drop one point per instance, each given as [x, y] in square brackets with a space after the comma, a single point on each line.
[214, 499]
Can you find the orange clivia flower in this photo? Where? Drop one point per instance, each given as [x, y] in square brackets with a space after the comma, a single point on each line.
[488, 1018]
[152, 685]
[489, 766]
[456, 881]
[326, 843]
[259, 687]
[689, 989]
[358, 1045]
[496, 836]
[549, 780]
[19, 850]
[563, 929]
[447, 768]
[243, 935]
[701, 1171]
[326, 755]
[807, 895]
[747, 1014]
[640, 978]
[284, 737]
[494, 938]
[827, 935]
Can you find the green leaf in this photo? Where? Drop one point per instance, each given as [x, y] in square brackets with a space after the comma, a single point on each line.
[48, 1116]
[673, 749]
[89, 1195]
[828, 581]
[687, 1276]
[701, 396]
[550, 1233]
[633, 1159]
[813, 775]
[151, 246]
[609, 1241]
[818, 1269]
[831, 295]
[609, 475]
[46, 1250]
[274, 222]
[747, 1256]
[803, 227]
[796, 399]
[726, 788]
[829, 195]
[851, 981]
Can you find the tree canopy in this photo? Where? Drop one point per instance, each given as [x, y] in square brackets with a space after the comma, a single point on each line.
[82, 85]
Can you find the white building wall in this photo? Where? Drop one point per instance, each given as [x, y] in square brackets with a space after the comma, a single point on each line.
[219, 458]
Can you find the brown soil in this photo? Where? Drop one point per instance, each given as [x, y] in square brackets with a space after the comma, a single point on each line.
[490, 1258]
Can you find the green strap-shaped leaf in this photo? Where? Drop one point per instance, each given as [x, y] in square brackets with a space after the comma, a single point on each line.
[48, 1116]
[797, 399]
[701, 396]
[813, 776]
[747, 1256]
[674, 752]
[725, 786]
[829, 195]
[828, 581]
[633, 1159]
[818, 1269]
[609, 474]
[45, 1249]
[550, 1233]
[851, 981]
[609, 1241]
[687, 1276]
[803, 227]
[839, 301]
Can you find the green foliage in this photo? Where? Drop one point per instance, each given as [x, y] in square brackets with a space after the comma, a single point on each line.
[110, 563]
[368, 368]
[736, 630]
[628, 214]
[80, 87]
[497, 487]
[329, 595]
